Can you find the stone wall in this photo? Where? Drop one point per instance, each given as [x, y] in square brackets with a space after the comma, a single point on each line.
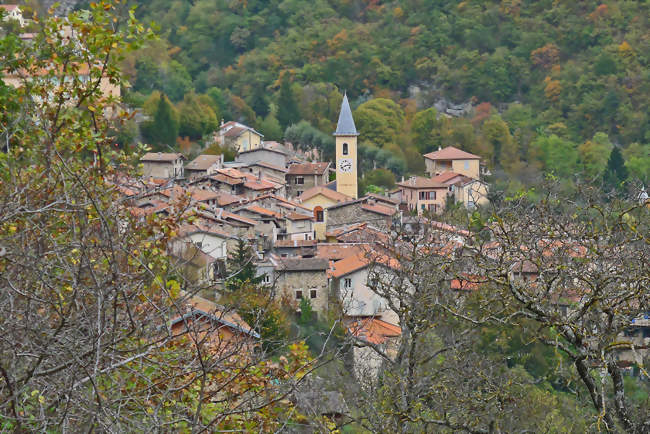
[288, 282]
[352, 214]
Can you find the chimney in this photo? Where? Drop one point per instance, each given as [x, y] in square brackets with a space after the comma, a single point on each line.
[412, 180]
[402, 178]
[439, 148]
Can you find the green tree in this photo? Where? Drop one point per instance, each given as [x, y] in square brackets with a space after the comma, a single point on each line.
[287, 105]
[196, 117]
[241, 267]
[637, 161]
[380, 121]
[594, 154]
[381, 178]
[270, 127]
[423, 127]
[162, 130]
[556, 155]
[615, 173]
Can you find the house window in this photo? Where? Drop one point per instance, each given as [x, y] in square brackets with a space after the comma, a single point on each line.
[267, 278]
[299, 294]
[300, 180]
[312, 293]
[320, 215]
[466, 165]
[347, 283]
[345, 149]
[298, 193]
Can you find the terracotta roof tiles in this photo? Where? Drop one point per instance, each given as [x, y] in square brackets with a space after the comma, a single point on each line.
[451, 153]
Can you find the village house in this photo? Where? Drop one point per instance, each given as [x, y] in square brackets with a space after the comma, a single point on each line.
[13, 12]
[225, 330]
[452, 159]
[424, 194]
[349, 285]
[302, 278]
[374, 334]
[318, 199]
[79, 72]
[268, 171]
[212, 239]
[203, 165]
[298, 227]
[240, 183]
[295, 248]
[468, 191]
[301, 177]
[274, 157]
[363, 210]
[230, 223]
[238, 136]
[193, 264]
[267, 222]
[162, 165]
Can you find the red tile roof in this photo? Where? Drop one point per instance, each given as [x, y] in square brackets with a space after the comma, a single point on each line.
[297, 216]
[308, 169]
[296, 243]
[379, 209]
[360, 261]
[373, 330]
[338, 251]
[262, 211]
[444, 177]
[324, 191]
[419, 182]
[203, 162]
[451, 153]
[161, 156]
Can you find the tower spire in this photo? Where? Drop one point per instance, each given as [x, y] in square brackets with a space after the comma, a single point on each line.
[345, 125]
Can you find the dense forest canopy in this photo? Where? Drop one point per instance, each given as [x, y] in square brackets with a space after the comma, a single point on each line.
[555, 83]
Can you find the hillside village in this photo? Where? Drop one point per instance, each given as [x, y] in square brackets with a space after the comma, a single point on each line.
[267, 278]
[310, 237]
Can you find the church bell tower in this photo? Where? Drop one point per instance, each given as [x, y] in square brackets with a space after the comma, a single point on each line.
[346, 151]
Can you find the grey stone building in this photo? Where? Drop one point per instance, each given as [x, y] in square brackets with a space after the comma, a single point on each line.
[364, 210]
[301, 177]
[298, 278]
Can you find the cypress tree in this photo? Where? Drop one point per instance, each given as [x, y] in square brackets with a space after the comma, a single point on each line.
[288, 112]
[241, 267]
[616, 172]
[162, 130]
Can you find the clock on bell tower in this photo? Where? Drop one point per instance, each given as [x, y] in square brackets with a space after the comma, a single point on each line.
[346, 151]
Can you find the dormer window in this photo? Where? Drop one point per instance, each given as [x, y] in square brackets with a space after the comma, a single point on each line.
[345, 149]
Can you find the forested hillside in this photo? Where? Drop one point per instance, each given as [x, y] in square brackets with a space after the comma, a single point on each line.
[555, 85]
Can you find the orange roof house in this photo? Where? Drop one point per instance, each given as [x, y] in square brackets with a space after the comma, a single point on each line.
[223, 328]
[451, 159]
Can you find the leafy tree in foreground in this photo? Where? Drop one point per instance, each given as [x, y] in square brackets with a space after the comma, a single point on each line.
[87, 291]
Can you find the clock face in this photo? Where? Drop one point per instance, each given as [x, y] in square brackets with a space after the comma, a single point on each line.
[345, 165]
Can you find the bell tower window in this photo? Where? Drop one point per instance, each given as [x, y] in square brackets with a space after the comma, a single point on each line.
[345, 149]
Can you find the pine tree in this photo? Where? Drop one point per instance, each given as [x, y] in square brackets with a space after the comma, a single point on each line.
[162, 130]
[241, 267]
[616, 172]
[288, 112]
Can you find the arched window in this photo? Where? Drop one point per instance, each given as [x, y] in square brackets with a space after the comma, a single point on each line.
[318, 213]
[345, 149]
